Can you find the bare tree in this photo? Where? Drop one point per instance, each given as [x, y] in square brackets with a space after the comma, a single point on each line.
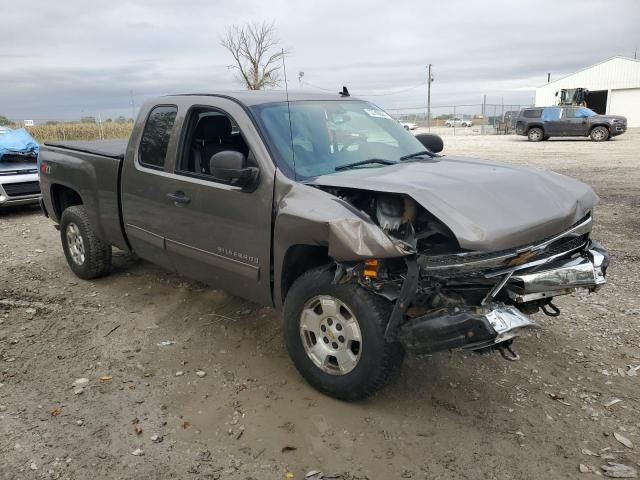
[254, 49]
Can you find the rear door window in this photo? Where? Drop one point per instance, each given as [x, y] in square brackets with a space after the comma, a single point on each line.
[532, 113]
[156, 135]
[551, 114]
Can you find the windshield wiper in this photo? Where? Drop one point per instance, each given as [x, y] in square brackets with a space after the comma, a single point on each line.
[365, 162]
[418, 154]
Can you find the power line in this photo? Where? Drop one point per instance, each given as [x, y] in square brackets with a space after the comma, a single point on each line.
[316, 86]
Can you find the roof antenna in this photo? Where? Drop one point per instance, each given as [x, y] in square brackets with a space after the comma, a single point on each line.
[344, 92]
[286, 89]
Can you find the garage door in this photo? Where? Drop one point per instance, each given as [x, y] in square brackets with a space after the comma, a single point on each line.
[626, 102]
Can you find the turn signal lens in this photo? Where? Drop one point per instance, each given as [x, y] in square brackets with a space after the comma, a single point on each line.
[371, 266]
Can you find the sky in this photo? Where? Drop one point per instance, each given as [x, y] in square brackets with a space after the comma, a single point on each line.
[64, 60]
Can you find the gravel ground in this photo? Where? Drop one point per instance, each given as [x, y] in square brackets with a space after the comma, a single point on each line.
[145, 411]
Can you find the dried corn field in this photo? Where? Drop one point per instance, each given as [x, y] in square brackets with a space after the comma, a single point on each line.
[80, 131]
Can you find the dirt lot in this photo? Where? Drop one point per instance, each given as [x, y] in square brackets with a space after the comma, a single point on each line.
[450, 416]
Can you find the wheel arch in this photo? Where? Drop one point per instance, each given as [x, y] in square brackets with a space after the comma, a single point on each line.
[605, 125]
[63, 197]
[297, 260]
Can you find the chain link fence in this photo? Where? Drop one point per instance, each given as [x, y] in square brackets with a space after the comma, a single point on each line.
[471, 119]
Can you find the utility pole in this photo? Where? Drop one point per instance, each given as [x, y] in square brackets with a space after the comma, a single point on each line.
[133, 107]
[548, 77]
[484, 114]
[429, 80]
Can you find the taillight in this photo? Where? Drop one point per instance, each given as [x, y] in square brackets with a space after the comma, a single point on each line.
[44, 167]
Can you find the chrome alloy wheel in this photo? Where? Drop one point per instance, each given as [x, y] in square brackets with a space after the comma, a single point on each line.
[75, 243]
[599, 134]
[535, 135]
[330, 335]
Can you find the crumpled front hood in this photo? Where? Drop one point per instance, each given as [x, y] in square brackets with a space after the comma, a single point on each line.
[487, 206]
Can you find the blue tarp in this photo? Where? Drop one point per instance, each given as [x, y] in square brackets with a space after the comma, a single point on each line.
[17, 141]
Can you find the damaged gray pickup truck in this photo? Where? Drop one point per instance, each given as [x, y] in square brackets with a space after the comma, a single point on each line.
[371, 242]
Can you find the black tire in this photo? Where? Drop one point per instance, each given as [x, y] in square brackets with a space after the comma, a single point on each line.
[599, 134]
[535, 134]
[379, 360]
[96, 255]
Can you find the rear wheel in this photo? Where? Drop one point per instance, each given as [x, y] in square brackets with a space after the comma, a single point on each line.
[335, 336]
[87, 255]
[599, 134]
[535, 134]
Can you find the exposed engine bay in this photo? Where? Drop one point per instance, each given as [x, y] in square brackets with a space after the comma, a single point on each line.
[446, 297]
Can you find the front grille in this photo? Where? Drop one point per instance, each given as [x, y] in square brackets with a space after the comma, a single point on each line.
[505, 258]
[561, 245]
[22, 188]
[566, 244]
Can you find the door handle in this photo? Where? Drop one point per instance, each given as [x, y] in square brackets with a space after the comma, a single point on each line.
[179, 198]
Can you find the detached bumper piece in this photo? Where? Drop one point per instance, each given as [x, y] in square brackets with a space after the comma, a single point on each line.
[456, 328]
[586, 271]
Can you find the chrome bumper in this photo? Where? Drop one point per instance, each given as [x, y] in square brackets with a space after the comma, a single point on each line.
[586, 271]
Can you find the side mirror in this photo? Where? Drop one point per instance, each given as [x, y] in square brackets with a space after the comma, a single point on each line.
[230, 166]
[431, 141]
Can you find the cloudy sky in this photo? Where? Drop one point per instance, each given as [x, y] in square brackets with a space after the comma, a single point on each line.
[62, 60]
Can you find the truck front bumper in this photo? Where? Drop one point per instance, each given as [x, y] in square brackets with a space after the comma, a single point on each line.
[618, 128]
[494, 322]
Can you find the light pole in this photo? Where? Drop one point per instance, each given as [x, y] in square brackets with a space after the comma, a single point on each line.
[429, 80]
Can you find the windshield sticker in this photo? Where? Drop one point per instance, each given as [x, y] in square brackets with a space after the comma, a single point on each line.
[377, 113]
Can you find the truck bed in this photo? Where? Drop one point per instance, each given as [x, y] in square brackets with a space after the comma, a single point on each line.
[92, 169]
[113, 148]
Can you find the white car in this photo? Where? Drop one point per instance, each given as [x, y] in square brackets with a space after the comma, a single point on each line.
[409, 125]
[19, 183]
[458, 122]
[18, 178]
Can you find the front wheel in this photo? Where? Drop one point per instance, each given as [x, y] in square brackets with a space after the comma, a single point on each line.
[599, 134]
[87, 255]
[335, 336]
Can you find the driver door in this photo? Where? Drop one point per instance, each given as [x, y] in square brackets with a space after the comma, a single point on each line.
[221, 233]
[574, 124]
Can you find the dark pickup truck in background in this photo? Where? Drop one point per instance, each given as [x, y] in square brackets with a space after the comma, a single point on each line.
[371, 242]
[542, 123]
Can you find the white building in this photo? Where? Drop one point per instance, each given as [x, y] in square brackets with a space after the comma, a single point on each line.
[614, 88]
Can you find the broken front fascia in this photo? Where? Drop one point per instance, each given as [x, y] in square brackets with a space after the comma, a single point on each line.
[531, 275]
